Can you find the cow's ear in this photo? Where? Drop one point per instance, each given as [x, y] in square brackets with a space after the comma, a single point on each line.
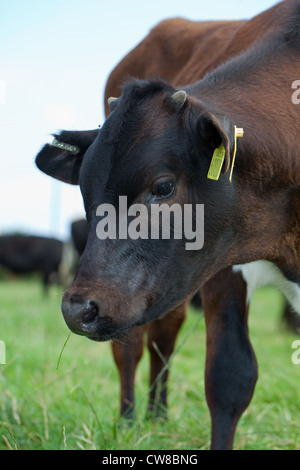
[215, 130]
[62, 159]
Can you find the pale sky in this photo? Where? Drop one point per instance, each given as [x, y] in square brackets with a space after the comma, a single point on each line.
[55, 57]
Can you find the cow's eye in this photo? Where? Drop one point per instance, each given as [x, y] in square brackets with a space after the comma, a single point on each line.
[163, 188]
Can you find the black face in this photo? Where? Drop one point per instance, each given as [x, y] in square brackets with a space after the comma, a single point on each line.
[147, 154]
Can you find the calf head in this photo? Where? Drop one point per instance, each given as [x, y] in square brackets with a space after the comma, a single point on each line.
[154, 148]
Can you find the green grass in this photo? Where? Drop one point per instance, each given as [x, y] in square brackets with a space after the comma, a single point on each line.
[77, 406]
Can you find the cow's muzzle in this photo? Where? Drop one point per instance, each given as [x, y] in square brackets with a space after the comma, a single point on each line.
[84, 316]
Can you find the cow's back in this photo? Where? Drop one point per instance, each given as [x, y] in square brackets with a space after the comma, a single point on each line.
[172, 48]
[183, 51]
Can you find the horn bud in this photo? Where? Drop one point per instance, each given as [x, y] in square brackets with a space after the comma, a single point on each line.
[179, 98]
[112, 102]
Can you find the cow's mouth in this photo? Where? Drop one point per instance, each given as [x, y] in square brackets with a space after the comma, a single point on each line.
[101, 329]
[104, 329]
[108, 336]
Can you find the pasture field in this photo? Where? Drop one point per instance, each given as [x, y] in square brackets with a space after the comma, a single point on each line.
[76, 406]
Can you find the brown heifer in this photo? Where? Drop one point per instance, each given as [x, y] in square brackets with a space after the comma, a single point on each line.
[157, 145]
[170, 48]
[180, 51]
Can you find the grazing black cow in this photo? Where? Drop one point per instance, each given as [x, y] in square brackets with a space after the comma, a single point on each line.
[72, 251]
[24, 254]
[79, 234]
[163, 145]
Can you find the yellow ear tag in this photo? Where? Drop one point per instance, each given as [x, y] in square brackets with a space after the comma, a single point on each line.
[238, 132]
[219, 155]
[216, 163]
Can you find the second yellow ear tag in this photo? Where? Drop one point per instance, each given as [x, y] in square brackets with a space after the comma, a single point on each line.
[219, 155]
[216, 163]
[238, 132]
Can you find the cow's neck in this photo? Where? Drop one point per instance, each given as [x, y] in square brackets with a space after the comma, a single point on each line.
[255, 92]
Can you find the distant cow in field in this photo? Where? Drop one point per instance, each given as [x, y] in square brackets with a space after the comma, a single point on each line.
[170, 144]
[72, 251]
[79, 234]
[24, 254]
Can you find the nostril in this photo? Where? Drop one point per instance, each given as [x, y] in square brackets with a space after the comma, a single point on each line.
[91, 313]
